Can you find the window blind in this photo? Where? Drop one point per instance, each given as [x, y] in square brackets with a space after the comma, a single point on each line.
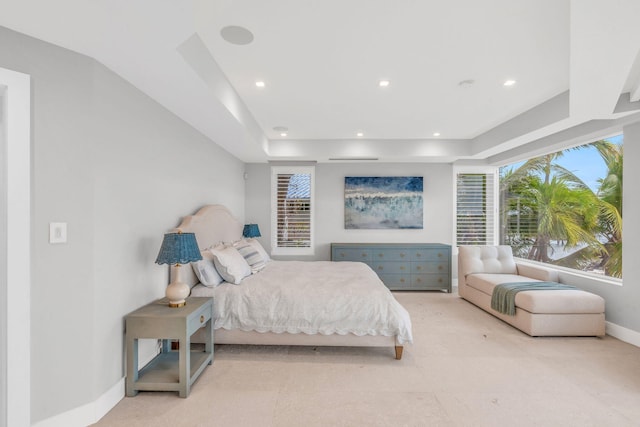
[293, 210]
[475, 209]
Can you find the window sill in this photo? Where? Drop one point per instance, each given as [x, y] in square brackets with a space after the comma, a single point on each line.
[293, 252]
[575, 274]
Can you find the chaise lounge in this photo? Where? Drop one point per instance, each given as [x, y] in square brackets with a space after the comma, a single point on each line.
[566, 312]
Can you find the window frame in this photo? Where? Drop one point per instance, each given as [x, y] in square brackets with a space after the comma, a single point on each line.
[291, 251]
[571, 275]
[492, 173]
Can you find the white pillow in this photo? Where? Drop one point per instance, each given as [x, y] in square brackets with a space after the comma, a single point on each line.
[206, 270]
[251, 255]
[258, 247]
[230, 264]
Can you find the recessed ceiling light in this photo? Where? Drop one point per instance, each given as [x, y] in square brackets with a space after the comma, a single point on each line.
[359, 134]
[236, 35]
[509, 82]
[260, 83]
[436, 134]
[383, 83]
[283, 134]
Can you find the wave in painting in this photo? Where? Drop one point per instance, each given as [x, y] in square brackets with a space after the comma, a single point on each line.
[383, 202]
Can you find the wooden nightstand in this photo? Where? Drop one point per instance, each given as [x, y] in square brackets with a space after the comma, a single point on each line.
[170, 370]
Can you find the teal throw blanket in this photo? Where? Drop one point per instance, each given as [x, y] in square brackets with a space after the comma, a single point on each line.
[503, 299]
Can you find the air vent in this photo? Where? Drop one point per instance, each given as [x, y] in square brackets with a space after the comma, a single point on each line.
[352, 159]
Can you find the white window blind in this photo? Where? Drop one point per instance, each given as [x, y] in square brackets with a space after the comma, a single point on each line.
[292, 210]
[475, 208]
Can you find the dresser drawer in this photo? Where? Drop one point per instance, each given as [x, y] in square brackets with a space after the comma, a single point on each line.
[396, 281]
[429, 254]
[435, 281]
[386, 254]
[429, 267]
[351, 254]
[199, 318]
[390, 267]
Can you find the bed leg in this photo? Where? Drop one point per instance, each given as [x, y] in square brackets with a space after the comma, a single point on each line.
[399, 349]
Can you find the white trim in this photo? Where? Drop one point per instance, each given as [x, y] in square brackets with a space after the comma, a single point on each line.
[18, 170]
[598, 278]
[623, 334]
[87, 414]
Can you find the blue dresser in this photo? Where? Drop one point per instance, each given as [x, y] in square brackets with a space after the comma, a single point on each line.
[402, 266]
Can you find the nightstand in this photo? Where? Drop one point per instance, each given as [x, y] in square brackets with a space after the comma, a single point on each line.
[170, 370]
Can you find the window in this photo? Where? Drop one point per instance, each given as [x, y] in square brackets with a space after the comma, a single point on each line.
[565, 208]
[292, 210]
[475, 208]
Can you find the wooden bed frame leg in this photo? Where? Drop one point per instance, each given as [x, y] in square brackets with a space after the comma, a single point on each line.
[399, 349]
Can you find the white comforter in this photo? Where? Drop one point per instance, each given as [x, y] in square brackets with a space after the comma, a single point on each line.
[320, 297]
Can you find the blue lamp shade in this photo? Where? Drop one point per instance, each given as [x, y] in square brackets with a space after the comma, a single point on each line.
[179, 248]
[251, 230]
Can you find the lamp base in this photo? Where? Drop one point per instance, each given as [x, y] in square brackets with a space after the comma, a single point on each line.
[176, 294]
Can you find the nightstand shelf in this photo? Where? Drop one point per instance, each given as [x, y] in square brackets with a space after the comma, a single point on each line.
[162, 371]
[170, 370]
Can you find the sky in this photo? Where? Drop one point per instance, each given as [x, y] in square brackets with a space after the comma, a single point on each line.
[585, 163]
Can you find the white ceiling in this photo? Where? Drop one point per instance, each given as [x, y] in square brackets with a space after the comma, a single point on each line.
[321, 62]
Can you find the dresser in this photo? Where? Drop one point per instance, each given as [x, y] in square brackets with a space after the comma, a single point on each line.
[402, 266]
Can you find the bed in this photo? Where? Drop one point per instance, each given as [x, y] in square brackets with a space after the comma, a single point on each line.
[314, 303]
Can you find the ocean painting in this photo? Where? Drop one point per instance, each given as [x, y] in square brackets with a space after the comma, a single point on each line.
[383, 202]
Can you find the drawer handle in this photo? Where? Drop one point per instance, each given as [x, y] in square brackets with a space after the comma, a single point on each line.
[381, 255]
[418, 255]
[380, 267]
[401, 280]
[402, 267]
[439, 267]
[201, 318]
[364, 254]
[402, 255]
[419, 268]
[439, 254]
[440, 280]
[418, 281]
[342, 254]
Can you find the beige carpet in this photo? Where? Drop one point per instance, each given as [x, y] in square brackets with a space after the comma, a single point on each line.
[465, 368]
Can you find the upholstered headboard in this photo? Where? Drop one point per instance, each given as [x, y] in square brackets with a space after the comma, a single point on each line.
[212, 224]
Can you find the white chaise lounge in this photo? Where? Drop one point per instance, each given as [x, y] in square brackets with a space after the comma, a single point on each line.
[539, 312]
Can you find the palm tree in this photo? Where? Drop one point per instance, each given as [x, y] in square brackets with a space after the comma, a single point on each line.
[566, 209]
[610, 195]
[565, 213]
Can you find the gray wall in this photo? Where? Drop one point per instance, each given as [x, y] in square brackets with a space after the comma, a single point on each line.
[329, 211]
[3, 265]
[120, 170]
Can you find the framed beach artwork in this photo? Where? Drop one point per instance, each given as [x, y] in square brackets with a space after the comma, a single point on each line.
[389, 202]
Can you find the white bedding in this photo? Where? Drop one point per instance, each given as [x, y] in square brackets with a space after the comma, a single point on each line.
[319, 297]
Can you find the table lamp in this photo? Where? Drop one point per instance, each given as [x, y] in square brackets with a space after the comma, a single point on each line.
[251, 230]
[178, 248]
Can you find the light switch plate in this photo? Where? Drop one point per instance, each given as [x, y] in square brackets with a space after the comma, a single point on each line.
[57, 232]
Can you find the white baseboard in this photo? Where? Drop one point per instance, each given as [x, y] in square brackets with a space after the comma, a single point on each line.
[623, 334]
[87, 414]
[91, 413]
